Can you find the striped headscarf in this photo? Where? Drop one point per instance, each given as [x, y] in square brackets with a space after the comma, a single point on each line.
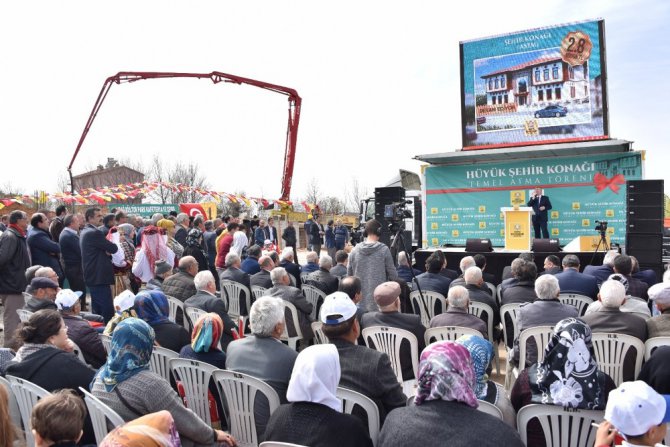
[481, 352]
[153, 246]
[152, 430]
[446, 373]
[132, 344]
[152, 306]
[207, 333]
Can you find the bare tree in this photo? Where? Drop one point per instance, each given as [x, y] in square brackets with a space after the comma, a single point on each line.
[313, 193]
[9, 190]
[354, 192]
[157, 173]
[332, 205]
[188, 175]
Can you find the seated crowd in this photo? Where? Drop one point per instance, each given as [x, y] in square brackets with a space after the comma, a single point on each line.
[236, 309]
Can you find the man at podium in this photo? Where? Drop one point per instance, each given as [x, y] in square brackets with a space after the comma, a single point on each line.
[540, 204]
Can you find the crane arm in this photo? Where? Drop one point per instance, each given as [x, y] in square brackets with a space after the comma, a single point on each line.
[294, 100]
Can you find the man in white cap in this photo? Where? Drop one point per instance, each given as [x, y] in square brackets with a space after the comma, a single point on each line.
[387, 297]
[80, 330]
[659, 326]
[636, 412]
[123, 308]
[363, 369]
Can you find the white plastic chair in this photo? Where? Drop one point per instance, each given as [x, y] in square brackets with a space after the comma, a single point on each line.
[175, 305]
[425, 307]
[232, 290]
[489, 408]
[508, 316]
[293, 280]
[611, 350]
[193, 314]
[541, 335]
[388, 340]
[279, 444]
[24, 315]
[450, 333]
[26, 297]
[194, 377]
[258, 291]
[319, 337]
[160, 361]
[478, 309]
[106, 343]
[14, 411]
[239, 391]
[581, 302]
[653, 343]
[492, 288]
[100, 413]
[293, 316]
[352, 398]
[303, 277]
[315, 296]
[27, 394]
[78, 353]
[561, 427]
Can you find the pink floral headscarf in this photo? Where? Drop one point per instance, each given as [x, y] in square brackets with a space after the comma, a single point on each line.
[446, 373]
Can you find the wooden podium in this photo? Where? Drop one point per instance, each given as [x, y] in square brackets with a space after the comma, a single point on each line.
[518, 228]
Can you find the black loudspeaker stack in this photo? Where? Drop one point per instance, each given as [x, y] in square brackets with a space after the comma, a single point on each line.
[644, 223]
[546, 245]
[478, 245]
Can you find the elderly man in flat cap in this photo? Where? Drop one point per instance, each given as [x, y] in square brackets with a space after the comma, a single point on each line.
[659, 326]
[387, 297]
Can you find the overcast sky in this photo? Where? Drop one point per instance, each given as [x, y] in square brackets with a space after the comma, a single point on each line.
[379, 82]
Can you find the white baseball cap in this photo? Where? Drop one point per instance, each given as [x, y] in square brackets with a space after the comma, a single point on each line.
[124, 300]
[337, 308]
[66, 299]
[635, 407]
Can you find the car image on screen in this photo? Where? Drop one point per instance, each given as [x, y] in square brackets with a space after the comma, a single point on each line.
[551, 111]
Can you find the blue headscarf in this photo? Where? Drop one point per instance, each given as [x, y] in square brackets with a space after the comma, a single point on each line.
[481, 352]
[152, 306]
[132, 344]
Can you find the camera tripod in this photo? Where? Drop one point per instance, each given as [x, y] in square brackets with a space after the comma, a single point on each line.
[602, 242]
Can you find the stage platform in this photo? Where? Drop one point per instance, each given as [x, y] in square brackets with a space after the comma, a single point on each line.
[497, 259]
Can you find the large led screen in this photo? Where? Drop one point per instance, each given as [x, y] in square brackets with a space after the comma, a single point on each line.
[534, 87]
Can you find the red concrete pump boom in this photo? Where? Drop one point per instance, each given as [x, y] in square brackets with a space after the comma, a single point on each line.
[294, 102]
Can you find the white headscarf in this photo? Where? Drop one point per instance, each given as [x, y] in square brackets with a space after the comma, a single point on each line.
[315, 377]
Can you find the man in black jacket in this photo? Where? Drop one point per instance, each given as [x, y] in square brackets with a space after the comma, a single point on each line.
[233, 272]
[70, 249]
[364, 370]
[42, 294]
[290, 238]
[14, 260]
[79, 330]
[322, 278]
[262, 278]
[97, 262]
[541, 205]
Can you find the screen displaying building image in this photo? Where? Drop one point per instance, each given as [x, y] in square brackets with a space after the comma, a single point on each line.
[534, 87]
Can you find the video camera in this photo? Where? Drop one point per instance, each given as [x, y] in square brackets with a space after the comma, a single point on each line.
[397, 211]
[601, 226]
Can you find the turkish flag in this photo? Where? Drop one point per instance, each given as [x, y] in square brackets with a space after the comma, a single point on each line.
[192, 209]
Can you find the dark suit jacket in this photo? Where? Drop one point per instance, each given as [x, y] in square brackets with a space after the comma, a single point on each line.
[637, 288]
[261, 279]
[490, 277]
[250, 265]
[97, 263]
[44, 251]
[434, 282]
[571, 281]
[540, 216]
[239, 276]
[323, 280]
[600, 272]
[455, 316]
[339, 270]
[648, 276]
[521, 292]
[369, 372]
[448, 273]
[398, 320]
[294, 269]
[550, 271]
[294, 296]
[210, 303]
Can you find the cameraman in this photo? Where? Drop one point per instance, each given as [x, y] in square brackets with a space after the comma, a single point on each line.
[540, 204]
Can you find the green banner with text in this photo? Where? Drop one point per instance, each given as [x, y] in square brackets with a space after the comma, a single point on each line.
[464, 201]
[145, 209]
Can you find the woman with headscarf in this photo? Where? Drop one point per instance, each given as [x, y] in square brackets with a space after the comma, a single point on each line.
[153, 430]
[170, 230]
[481, 353]
[126, 384]
[313, 415]
[656, 370]
[445, 410]
[46, 359]
[194, 248]
[568, 376]
[152, 307]
[153, 249]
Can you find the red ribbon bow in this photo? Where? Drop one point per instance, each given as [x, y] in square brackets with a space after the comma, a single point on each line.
[601, 182]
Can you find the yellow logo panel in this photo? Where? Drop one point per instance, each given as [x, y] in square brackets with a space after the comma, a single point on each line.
[586, 223]
[435, 241]
[554, 214]
[434, 226]
[454, 217]
[517, 198]
[609, 213]
[482, 209]
[576, 205]
[554, 231]
[433, 211]
[455, 233]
